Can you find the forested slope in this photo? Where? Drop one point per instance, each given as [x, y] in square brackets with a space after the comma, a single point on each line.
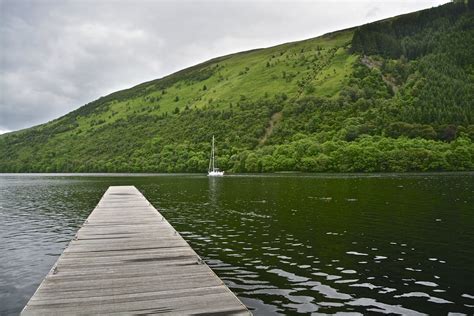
[395, 95]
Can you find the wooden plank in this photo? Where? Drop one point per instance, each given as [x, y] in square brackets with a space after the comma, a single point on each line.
[127, 259]
[196, 304]
[133, 297]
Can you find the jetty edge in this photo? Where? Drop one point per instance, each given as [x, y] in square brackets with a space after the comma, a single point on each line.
[127, 259]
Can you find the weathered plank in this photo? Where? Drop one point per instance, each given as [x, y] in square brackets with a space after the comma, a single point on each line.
[127, 259]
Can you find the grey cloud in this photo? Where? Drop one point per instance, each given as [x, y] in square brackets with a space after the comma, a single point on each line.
[58, 55]
[372, 12]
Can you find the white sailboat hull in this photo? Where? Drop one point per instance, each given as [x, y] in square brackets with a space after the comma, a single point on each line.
[215, 174]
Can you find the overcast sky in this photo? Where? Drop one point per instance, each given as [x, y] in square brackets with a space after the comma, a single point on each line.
[57, 55]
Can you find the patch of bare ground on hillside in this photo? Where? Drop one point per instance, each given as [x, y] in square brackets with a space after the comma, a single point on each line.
[377, 65]
[276, 117]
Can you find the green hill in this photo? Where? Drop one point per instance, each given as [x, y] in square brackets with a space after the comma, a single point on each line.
[394, 95]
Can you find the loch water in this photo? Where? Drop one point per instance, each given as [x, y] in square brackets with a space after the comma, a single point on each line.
[284, 243]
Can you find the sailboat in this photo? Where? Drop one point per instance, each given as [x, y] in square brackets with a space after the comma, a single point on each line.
[212, 170]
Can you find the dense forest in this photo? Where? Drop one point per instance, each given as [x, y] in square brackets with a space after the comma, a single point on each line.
[394, 95]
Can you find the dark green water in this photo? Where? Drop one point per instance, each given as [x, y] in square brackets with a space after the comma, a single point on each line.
[283, 243]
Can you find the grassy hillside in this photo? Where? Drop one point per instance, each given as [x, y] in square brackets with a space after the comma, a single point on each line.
[395, 95]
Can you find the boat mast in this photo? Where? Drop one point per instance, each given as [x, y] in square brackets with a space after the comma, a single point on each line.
[210, 161]
[213, 154]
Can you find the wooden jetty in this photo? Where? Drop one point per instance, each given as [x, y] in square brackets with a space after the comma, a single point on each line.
[127, 259]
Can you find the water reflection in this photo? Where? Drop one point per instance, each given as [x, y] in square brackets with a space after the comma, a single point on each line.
[215, 184]
[284, 244]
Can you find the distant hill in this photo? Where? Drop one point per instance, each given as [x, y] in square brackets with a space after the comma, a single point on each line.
[394, 95]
